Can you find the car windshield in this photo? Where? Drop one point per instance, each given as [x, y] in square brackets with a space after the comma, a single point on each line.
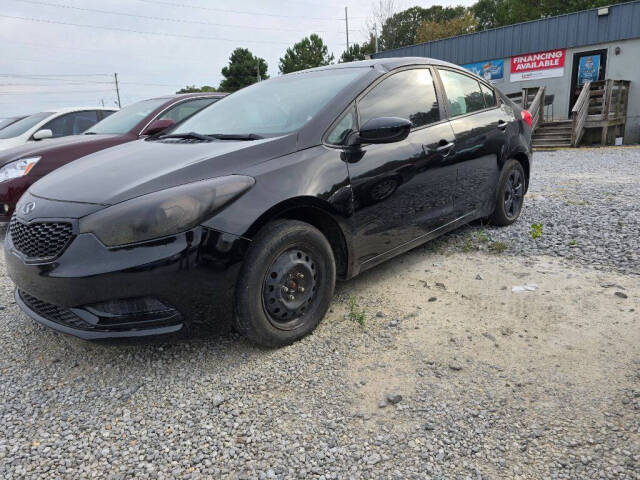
[6, 121]
[21, 126]
[272, 107]
[124, 120]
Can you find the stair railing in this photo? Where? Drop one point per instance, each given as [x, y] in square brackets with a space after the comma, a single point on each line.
[579, 114]
[535, 109]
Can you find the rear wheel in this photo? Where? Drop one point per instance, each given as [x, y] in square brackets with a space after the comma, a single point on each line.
[510, 194]
[286, 283]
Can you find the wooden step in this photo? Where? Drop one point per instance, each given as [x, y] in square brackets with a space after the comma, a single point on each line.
[553, 131]
[551, 137]
[551, 145]
[557, 123]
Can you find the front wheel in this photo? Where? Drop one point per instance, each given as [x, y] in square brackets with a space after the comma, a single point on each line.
[286, 283]
[510, 194]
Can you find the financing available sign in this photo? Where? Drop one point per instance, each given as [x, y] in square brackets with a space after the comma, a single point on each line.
[533, 66]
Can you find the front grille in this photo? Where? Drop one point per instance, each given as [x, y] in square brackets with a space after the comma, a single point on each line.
[40, 240]
[54, 313]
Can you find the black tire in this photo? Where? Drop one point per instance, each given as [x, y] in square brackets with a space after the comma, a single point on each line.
[286, 283]
[509, 195]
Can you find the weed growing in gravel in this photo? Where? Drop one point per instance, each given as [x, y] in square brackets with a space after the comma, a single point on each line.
[472, 239]
[578, 202]
[355, 313]
[536, 230]
[498, 247]
[573, 243]
[619, 225]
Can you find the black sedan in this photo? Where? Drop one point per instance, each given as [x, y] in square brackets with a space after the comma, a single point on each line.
[245, 214]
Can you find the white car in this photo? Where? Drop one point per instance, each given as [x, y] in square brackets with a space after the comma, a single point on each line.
[51, 124]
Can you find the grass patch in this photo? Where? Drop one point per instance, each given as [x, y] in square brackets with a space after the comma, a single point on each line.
[536, 230]
[498, 247]
[356, 314]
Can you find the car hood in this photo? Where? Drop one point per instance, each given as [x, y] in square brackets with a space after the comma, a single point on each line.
[140, 167]
[6, 143]
[73, 146]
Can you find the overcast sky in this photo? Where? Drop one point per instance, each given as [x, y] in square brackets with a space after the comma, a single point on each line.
[46, 62]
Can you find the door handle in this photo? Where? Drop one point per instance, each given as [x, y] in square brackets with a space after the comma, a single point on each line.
[502, 124]
[443, 147]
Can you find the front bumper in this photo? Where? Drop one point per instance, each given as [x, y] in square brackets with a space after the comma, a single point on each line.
[192, 274]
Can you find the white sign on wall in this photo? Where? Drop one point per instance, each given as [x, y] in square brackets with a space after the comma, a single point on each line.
[532, 66]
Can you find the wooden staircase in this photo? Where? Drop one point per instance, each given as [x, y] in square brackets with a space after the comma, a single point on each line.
[551, 135]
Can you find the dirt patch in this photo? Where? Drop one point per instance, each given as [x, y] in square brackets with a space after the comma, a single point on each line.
[570, 344]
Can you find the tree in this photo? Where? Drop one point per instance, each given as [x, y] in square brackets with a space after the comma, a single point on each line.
[356, 52]
[309, 52]
[401, 28]
[429, 31]
[242, 70]
[194, 89]
[498, 13]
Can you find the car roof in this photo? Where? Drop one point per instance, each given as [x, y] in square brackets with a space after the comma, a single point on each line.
[79, 109]
[384, 63]
[190, 95]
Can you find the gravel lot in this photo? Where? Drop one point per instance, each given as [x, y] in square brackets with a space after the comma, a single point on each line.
[452, 375]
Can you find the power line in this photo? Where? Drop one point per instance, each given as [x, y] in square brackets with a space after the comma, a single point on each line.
[72, 49]
[163, 19]
[36, 75]
[126, 30]
[239, 12]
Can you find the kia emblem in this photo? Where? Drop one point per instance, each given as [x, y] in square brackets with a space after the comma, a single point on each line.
[28, 207]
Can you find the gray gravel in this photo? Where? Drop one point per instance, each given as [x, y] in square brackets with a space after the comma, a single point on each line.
[222, 408]
[588, 204]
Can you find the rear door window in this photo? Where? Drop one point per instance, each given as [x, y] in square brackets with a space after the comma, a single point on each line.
[463, 93]
[489, 96]
[72, 123]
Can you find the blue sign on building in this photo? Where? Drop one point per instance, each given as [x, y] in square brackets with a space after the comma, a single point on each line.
[589, 69]
[491, 70]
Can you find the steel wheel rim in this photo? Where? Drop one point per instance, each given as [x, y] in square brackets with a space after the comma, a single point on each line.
[289, 288]
[513, 194]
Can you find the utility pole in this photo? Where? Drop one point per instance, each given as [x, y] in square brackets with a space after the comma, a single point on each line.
[375, 35]
[258, 65]
[346, 23]
[115, 76]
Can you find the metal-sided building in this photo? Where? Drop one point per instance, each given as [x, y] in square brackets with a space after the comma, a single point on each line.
[559, 53]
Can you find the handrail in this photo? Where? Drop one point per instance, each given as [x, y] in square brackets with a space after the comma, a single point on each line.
[536, 108]
[579, 114]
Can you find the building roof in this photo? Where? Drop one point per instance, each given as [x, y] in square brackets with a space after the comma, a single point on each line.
[564, 31]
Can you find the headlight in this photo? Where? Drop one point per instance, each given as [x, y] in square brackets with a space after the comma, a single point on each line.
[164, 213]
[18, 168]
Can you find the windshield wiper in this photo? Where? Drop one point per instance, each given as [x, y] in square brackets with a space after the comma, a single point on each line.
[235, 136]
[90, 133]
[194, 135]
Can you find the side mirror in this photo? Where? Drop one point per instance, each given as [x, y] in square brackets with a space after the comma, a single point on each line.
[42, 134]
[383, 130]
[157, 126]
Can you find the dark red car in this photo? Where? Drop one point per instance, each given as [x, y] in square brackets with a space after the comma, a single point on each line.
[20, 167]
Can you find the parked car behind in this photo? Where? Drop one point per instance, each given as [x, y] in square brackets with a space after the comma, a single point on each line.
[52, 124]
[246, 213]
[5, 122]
[22, 166]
